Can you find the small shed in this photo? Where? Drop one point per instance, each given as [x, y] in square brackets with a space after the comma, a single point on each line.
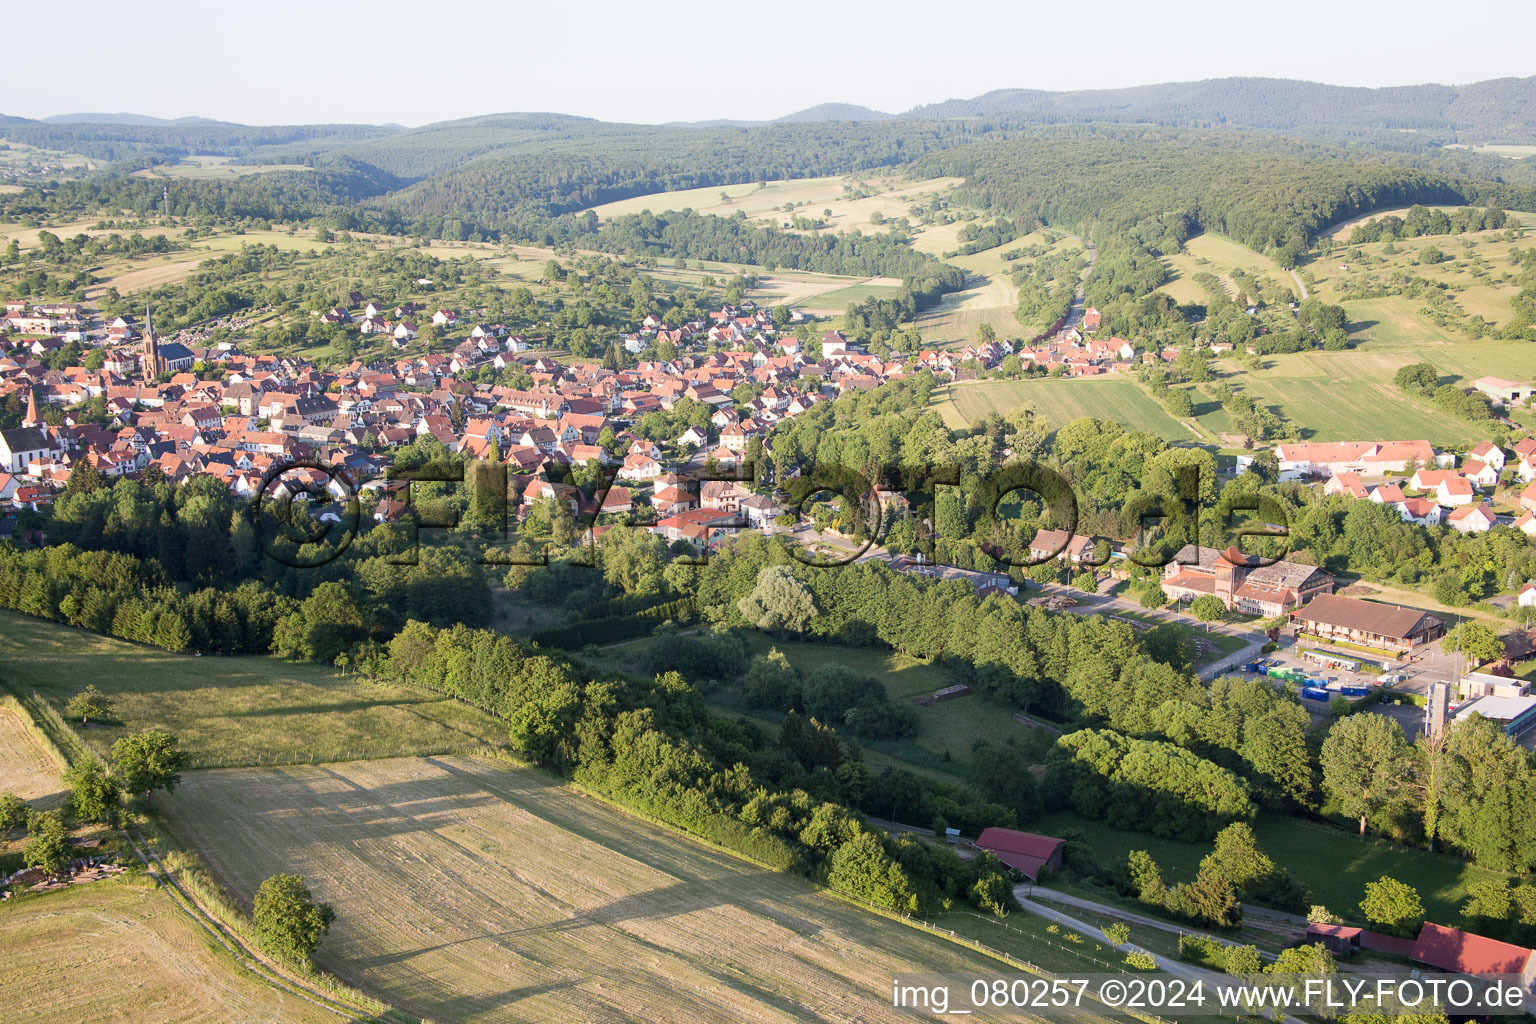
[1336, 938]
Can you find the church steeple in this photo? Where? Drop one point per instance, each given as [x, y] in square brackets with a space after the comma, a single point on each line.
[149, 356]
[33, 419]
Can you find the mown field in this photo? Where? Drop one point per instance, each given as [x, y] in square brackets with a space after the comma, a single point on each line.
[26, 768]
[235, 711]
[123, 951]
[469, 891]
[1060, 401]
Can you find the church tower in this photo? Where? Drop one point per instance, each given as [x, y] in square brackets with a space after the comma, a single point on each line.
[149, 356]
[33, 419]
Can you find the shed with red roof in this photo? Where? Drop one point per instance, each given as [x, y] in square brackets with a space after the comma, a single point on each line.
[1025, 852]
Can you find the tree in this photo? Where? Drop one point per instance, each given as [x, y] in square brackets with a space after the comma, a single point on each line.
[89, 703]
[779, 601]
[149, 760]
[1392, 905]
[1118, 933]
[13, 812]
[1208, 608]
[47, 843]
[289, 923]
[1312, 961]
[1365, 761]
[93, 793]
[1476, 640]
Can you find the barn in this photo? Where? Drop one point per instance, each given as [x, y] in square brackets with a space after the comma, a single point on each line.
[1025, 852]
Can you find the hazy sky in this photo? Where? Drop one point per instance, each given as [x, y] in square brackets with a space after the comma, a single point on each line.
[286, 61]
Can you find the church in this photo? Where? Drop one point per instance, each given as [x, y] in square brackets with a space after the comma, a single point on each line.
[155, 358]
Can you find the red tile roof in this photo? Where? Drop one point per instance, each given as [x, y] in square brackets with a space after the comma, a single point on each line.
[1452, 949]
[1023, 851]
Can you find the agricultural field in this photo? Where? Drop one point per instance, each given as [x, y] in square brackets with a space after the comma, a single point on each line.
[202, 166]
[234, 710]
[27, 768]
[891, 197]
[123, 950]
[1331, 397]
[1060, 401]
[470, 891]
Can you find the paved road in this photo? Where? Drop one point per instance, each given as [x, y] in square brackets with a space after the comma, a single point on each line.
[1175, 967]
[1041, 893]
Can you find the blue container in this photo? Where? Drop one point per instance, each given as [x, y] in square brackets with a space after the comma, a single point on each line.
[1355, 691]
[1253, 666]
[1314, 693]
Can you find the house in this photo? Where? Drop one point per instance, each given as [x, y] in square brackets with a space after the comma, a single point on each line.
[445, 318]
[1490, 454]
[1450, 487]
[1298, 461]
[1025, 852]
[1091, 319]
[1330, 617]
[1528, 498]
[1472, 518]
[694, 436]
[1347, 484]
[1526, 524]
[671, 500]
[1481, 474]
[1501, 391]
[1051, 543]
[405, 331]
[833, 343]
[1243, 583]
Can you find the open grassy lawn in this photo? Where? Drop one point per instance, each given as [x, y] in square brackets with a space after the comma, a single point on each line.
[469, 891]
[234, 711]
[1333, 863]
[837, 302]
[1060, 401]
[123, 951]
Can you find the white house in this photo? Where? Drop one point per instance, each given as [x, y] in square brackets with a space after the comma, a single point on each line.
[1481, 474]
[1477, 518]
[1527, 596]
[1489, 454]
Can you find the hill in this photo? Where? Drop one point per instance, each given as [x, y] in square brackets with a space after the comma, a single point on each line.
[141, 120]
[834, 112]
[1503, 108]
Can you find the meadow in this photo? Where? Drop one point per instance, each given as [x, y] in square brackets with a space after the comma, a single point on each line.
[234, 710]
[1214, 254]
[467, 890]
[1060, 401]
[123, 950]
[1334, 863]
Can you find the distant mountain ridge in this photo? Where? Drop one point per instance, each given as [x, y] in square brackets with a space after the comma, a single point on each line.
[1499, 106]
[132, 120]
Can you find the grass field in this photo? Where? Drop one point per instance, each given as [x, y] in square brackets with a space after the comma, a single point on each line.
[206, 168]
[235, 711]
[469, 891]
[123, 951]
[26, 769]
[1060, 401]
[837, 302]
[1213, 254]
[1333, 863]
[1333, 398]
[945, 731]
